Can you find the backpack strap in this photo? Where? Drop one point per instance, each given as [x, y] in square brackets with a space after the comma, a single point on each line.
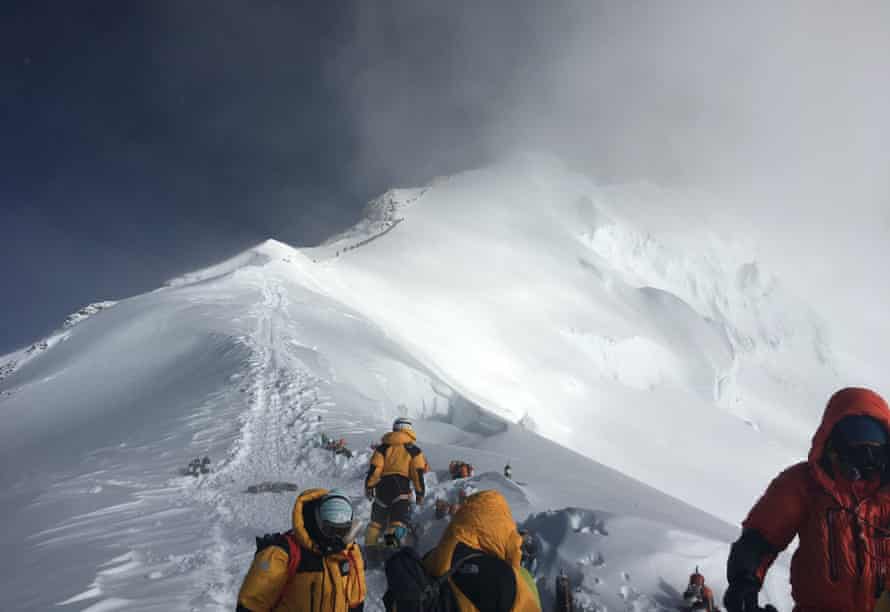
[353, 573]
[294, 553]
[413, 450]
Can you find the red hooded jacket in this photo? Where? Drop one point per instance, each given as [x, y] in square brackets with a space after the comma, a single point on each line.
[842, 561]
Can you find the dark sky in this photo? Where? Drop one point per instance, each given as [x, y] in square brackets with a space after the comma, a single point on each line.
[144, 139]
[140, 140]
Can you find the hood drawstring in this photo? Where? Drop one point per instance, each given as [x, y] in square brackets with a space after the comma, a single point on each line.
[324, 577]
[348, 579]
[353, 574]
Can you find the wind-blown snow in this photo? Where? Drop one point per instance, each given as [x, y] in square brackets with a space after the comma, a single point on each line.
[667, 370]
[526, 288]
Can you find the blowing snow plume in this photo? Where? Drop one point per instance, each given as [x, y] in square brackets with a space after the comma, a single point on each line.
[767, 117]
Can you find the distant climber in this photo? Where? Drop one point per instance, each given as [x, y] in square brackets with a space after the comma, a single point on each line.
[442, 508]
[336, 446]
[836, 503]
[508, 472]
[198, 466]
[397, 465]
[460, 469]
[698, 597]
[314, 567]
[530, 549]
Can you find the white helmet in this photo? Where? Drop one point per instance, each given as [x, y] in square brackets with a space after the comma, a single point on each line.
[402, 424]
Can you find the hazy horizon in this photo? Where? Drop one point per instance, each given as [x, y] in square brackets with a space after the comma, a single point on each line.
[150, 140]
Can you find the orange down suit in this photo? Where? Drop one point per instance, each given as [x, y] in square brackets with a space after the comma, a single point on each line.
[319, 585]
[484, 524]
[841, 564]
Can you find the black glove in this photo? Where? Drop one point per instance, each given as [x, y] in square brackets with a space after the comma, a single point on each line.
[741, 596]
[746, 556]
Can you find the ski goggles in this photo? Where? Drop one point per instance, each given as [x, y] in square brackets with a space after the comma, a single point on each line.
[335, 516]
[336, 530]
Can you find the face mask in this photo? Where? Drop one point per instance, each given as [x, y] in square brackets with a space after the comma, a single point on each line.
[864, 461]
[336, 539]
[332, 545]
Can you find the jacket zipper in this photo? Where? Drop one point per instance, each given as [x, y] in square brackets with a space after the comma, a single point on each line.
[833, 571]
[857, 538]
[312, 597]
[880, 542]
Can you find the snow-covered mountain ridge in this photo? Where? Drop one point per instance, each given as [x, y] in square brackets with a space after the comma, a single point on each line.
[11, 362]
[663, 352]
[529, 289]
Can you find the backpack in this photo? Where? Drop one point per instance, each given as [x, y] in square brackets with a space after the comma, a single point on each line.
[412, 589]
[287, 542]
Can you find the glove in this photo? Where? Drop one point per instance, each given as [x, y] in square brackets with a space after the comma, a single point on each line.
[369, 493]
[418, 501]
[741, 596]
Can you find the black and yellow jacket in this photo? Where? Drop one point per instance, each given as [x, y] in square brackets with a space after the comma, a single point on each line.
[322, 583]
[398, 456]
[495, 582]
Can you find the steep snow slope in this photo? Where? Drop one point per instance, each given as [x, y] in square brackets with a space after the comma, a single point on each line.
[652, 346]
[96, 429]
[247, 367]
[620, 331]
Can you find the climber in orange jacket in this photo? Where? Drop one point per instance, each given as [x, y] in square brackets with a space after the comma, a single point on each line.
[482, 538]
[837, 503]
[698, 596]
[315, 567]
[397, 464]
